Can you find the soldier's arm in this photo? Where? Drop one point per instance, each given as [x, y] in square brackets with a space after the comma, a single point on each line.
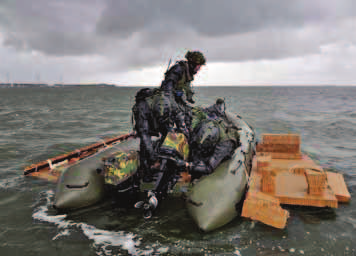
[222, 150]
[172, 77]
[190, 94]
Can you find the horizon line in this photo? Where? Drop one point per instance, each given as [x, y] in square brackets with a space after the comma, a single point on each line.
[150, 85]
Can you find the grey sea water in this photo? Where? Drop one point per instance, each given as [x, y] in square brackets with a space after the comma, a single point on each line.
[39, 123]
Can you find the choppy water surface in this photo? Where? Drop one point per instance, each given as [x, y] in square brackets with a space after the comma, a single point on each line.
[39, 123]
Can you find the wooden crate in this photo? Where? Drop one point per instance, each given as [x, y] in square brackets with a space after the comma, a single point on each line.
[280, 138]
[280, 146]
[266, 209]
[316, 182]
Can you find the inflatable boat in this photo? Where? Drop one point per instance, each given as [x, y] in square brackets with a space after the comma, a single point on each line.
[211, 200]
[214, 198]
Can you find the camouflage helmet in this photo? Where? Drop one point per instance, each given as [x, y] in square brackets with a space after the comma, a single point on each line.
[208, 133]
[196, 57]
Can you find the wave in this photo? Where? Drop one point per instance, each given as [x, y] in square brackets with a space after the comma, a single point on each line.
[11, 182]
[104, 241]
[343, 130]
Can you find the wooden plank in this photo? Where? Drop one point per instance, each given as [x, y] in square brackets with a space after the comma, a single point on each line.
[82, 153]
[269, 138]
[338, 186]
[279, 148]
[264, 208]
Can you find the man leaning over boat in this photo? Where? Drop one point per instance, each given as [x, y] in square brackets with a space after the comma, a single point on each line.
[157, 111]
[214, 139]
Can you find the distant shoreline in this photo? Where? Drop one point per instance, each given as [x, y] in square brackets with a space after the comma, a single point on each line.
[42, 85]
[31, 85]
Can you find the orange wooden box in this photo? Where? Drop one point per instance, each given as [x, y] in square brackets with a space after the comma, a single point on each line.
[266, 209]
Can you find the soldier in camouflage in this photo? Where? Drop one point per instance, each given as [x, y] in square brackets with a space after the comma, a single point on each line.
[214, 139]
[172, 107]
[157, 111]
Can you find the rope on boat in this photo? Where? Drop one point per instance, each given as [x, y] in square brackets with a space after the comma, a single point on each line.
[49, 163]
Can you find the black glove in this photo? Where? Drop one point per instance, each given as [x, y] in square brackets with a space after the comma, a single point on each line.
[199, 168]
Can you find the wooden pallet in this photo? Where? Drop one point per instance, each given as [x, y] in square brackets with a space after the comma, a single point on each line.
[284, 174]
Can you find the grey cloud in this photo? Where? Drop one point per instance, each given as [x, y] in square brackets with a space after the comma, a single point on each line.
[230, 30]
[55, 28]
[217, 18]
[133, 34]
[124, 17]
[266, 44]
[13, 41]
[53, 43]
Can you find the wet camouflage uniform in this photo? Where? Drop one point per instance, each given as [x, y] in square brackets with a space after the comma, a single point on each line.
[157, 111]
[171, 107]
[214, 139]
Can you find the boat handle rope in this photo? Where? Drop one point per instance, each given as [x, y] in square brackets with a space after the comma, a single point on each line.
[194, 203]
[235, 170]
[104, 143]
[78, 186]
[78, 152]
[50, 164]
[124, 190]
[247, 175]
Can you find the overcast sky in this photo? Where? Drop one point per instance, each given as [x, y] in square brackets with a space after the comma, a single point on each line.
[130, 42]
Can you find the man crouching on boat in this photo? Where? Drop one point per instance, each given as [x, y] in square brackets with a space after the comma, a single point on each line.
[214, 139]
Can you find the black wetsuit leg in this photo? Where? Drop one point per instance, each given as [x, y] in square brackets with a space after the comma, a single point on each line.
[142, 117]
